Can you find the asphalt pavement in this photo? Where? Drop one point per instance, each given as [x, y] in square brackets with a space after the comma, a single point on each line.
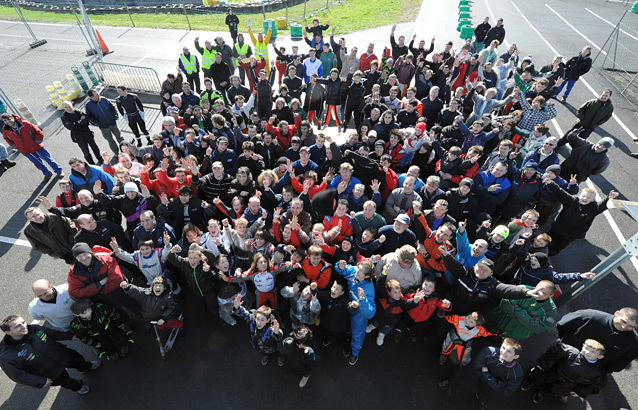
[213, 366]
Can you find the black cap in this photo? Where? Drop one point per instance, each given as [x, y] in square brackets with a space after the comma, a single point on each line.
[486, 263]
[80, 248]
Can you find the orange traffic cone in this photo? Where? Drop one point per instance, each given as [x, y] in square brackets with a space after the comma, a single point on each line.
[105, 49]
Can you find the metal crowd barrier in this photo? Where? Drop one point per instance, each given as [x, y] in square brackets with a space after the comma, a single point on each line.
[137, 79]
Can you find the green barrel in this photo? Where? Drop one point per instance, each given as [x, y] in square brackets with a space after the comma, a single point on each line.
[467, 32]
[463, 22]
[466, 9]
[296, 30]
[464, 15]
[89, 71]
[78, 76]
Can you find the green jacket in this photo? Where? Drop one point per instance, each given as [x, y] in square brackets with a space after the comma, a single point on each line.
[520, 318]
[594, 113]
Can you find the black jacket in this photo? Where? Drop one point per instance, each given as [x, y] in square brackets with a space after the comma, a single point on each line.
[577, 66]
[130, 105]
[495, 33]
[173, 213]
[575, 219]
[54, 237]
[334, 312]
[584, 160]
[468, 294]
[621, 347]
[36, 357]
[333, 90]
[78, 124]
[481, 31]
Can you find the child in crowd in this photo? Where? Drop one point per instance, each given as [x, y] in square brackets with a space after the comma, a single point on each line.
[458, 342]
[98, 325]
[346, 251]
[226, 292]
[214, 240]
[499, 370]
[68, 197]
[563, 370]
[391, 304]
[157, 303]
[149, 260]
[316, 270]
[334, 314]
[368, 244]
[339, 225]
[305, 307]
[525, 225]
[300, 355]
[264, 330]
[361, 307]
[425, 308]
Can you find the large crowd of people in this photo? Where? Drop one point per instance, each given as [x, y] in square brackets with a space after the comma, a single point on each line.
[436, 218]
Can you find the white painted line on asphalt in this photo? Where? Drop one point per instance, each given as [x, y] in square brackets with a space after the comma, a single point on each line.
[610, 219]
[611, 24]
[614, 116]
[80, 41]
[575, 29]
[12, 241]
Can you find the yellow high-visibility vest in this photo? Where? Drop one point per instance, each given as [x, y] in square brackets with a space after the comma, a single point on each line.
[190, 64]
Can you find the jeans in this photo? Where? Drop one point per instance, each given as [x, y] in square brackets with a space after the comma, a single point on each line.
[40, 157]
[570, 85]
[3, 153]
[108, 134]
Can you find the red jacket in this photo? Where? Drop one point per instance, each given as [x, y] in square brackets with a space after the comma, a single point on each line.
[298, 186]
[330, 222]
[426, 308]
[28, 140]
[261, 63]
[391, 179]
[155, 185]
[319, 274]
[365, 60]
[174, 186]
[284, 140]
[84, 282]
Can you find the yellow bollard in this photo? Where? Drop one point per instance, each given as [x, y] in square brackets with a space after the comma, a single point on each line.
[25, 113]
[71, 95]
[59, 88]
[54, 97]
[73, 83]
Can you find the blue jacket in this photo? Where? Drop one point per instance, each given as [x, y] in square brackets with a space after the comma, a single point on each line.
[483, 181]
[474, 139]
[528, 276]
[157, 235]
[335, 183]
[367, 307]
[535, 156]
[549, 195]
[101, 113]
[93, 173]
[228, 158]
[464, 250]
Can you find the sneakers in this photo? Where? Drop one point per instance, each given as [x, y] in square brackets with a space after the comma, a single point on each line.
[346, 351]
[280, 361]
[94, 365]
[442, 359]
[303, 381]
[444, 382]
[60, 175]
[526, 386]
[380, 339]
[327, 341]
[264, 359]
[370, 328]
[537, 397]
[139, 141]
[7, 163]
[123, 351]
[353, 360]
[47, 177]
[84, 389]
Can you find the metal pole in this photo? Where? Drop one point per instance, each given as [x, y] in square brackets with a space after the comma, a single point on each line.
[129, 14]
[630, 83]
[91, 50]
[604, 268]
[89, 30]
[8, 102]
[304, 8]
[18, 10]
[187, 19]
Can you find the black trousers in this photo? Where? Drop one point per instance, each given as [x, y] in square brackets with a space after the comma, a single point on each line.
[137, 124]
[84, 144]
[76, 361]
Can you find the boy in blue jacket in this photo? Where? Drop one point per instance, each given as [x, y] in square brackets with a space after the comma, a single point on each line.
[362, 307]
[499, 370]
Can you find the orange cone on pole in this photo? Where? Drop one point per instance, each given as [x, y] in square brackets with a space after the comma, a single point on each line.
[105, 49]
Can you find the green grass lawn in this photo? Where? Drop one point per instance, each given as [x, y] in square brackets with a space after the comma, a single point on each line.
[349, 16]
